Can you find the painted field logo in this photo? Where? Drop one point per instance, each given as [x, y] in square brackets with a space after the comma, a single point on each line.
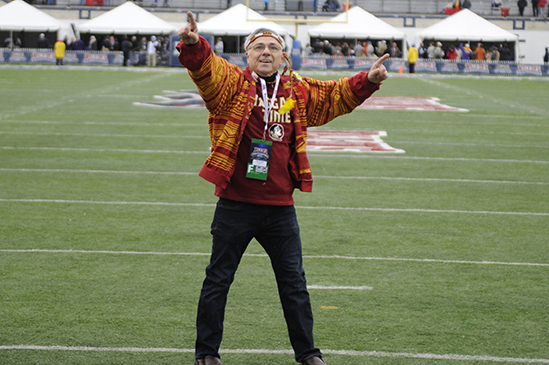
[192, 99]
[408, 103]
[348, 141]
[176, 99]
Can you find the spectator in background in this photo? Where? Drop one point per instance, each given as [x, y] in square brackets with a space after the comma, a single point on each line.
[422, 51]
[431, 51]
[370, 51]
[504, 52]
[67, 42]
[394, 51]
[466, 4]
[219, 46]
[480, 52]
[459, 53]
[77, 45]
[113, 44]
[494, 54]
[381, 48]
[42, 41]
[521, 5]
[127, 47]
[439, 53]
[535, 10]
[59, 47]
[451, 54]
[327, 48]
[345, 50]
[541, 8]
[317, 47]
[413, 55]
[92, 44]
[546, 56]
[466, 52]
[330, 5]
[266, 2]
[359, 49]
[143, 44]
[151, 51]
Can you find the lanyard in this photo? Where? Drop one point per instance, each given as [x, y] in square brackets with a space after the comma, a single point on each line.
[268, 107]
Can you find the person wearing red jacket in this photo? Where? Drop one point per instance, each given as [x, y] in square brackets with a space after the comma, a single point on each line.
[541, 8]
[452, 54]
[258, 122]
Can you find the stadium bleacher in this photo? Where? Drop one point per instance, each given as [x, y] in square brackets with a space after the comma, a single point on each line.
[427, 7]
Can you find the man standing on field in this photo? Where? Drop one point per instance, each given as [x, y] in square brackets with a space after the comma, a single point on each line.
[258, 122]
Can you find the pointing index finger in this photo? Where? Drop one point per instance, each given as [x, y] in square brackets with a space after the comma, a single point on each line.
[192, 22]
[381, 60]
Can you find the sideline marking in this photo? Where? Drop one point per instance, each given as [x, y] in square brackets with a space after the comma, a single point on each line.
[312, 154]
[285, 352]
[404, 210]
[329, 257]
[316, 176]
[496, 116]
[339, 287]
[107, 123]
[103, 135]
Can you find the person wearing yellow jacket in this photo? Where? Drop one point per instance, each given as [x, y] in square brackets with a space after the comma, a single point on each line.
[412, 58]
[59, 48]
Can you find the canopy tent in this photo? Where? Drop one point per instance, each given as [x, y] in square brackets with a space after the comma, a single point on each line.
[465, 26]
[235, 22]
[360, 25]
[127, 18]
[18, 16]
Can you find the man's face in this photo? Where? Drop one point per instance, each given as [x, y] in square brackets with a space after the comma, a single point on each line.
[264, 56]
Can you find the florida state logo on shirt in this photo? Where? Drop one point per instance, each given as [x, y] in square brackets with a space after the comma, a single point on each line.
[276, 132]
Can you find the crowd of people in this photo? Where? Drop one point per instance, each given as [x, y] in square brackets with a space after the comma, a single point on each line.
[349, 49]
[539, 8]
[155, 48]
[463, 51]
[433, 50]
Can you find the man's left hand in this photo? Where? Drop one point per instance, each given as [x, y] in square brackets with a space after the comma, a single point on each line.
[378, 72]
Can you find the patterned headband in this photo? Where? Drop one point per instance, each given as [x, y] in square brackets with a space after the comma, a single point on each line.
[264, 33]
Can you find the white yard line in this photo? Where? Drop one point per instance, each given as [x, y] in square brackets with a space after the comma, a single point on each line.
[284, 352]
[104, 135]
[320, 257]
[311, 154]
[403, 210]
[46, 122]
[316, 176]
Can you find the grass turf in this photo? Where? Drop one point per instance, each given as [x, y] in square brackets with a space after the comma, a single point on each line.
[451, 236]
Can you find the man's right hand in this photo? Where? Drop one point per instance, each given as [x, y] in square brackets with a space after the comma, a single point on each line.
[189, 33]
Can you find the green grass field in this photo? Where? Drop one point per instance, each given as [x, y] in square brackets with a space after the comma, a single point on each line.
[104, 228]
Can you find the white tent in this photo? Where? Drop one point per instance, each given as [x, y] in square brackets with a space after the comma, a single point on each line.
[127, 18]
[18, 16]
[360, 25]
[465, 26]
[235, 21]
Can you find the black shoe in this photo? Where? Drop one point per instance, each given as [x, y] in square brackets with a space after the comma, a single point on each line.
[313, 360]
[210, 360]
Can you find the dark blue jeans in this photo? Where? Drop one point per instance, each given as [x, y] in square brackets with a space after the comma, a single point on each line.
[234, 225]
